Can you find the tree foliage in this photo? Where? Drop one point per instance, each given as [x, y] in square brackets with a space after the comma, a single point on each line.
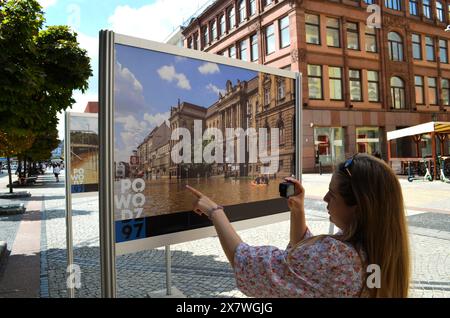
[39, 70]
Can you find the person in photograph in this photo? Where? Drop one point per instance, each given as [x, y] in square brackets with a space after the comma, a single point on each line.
[365, 202]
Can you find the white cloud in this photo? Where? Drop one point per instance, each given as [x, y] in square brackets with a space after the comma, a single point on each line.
[89, 43]
[209, 68]
[128, 91]
[213, 88]
[154, 21]
[157, 119]
[47, 3]
[168, 73]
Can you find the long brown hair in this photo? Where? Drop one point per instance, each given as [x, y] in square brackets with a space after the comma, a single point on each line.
[379, 226]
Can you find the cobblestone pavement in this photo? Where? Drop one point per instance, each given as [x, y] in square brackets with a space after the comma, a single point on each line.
[200, 268]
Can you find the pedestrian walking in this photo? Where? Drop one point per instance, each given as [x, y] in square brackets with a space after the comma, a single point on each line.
[56, 172]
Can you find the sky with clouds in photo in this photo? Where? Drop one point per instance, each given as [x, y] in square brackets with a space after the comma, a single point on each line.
[149, 19]
[149, 83]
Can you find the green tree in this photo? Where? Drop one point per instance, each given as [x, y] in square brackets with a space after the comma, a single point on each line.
[39, 70]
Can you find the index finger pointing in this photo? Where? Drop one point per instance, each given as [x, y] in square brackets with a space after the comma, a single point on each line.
[195, 192]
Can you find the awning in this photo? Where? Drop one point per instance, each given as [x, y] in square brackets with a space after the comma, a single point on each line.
[437, 127]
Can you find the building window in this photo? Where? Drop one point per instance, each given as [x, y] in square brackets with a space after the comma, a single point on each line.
[373, 86]
[418, 81]
[266, 96]
[213, 27]
[242, 11]
[189, 43]
[426, 8]
[232, 52]
[329, 145]
[281, 89]
[243, 50]
[368, 140]
[285, 39]
[335, 77]
[222, 26]
[393, 4]
[252, 7]
[445, 92]
[371, 40]
[448, 10]
[333, 32]
[196, 44]
[397, 93]
[432, 91]
[254, 47]
[312, 29]
[417, 46]
[266, 2]
[413, 7]
[439, 11]
[231, 18]
[315, 81]
[270, 39]
[429, 45]
[443, 51]
[352, 36]
[395, 46]
[205, 36]
[355, 85]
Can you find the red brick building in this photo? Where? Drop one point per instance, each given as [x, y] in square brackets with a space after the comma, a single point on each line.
[358, 81]
[91, 107]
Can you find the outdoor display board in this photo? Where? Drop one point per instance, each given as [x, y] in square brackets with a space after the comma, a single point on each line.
[84, 152]
[171, 117]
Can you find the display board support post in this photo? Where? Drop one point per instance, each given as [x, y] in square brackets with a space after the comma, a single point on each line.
[69, 234]
[168, 271]
[299, 126]
[106, 184]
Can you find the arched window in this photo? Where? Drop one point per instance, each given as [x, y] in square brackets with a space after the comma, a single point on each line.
[395, 46]
[397, 93]
[439, 11]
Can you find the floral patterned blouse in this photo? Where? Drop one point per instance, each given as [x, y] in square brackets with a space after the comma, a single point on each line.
[325, 268]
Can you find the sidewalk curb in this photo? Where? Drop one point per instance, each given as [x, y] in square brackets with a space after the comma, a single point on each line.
[443, 235]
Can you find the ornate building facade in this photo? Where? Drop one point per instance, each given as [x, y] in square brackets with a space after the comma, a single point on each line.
[360, 80]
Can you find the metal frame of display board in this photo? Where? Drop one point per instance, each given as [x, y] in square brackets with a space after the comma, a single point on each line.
[108, 246]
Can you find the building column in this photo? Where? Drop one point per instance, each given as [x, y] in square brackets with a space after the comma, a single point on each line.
[433, 145]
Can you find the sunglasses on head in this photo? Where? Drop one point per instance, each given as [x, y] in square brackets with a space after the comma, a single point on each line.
[348, 164]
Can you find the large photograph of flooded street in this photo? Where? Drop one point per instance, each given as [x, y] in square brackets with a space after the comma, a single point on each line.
[84, 152]
[226, 131]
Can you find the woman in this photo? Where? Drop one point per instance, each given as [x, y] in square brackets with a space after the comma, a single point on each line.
[365, 201]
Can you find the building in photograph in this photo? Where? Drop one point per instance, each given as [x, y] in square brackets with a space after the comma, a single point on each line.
[160, 152]
[359, 81]
[183, 116]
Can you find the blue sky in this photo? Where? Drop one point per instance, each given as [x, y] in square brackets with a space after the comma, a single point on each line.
[149, 19]
[148, 83]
